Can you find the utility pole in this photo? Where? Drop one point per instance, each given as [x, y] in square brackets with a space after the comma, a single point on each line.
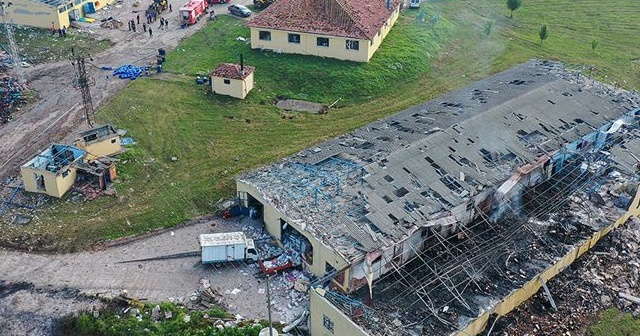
[269, 305]
[82, 82]
[13, 47]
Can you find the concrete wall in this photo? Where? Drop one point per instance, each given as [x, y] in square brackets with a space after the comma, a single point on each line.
[102, 148]
[56, 185]
[320, 310]
[322, 254]
[37, 14]
[236, 88]
[308, 45]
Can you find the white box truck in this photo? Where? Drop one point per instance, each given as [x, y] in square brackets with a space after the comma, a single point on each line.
[227, 246]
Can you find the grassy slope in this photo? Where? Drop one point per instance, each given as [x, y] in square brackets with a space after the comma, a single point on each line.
[216, 137]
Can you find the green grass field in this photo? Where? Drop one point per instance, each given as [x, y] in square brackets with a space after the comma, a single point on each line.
[216, 137]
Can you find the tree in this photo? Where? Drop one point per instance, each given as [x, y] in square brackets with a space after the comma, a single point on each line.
[513, 5]
[544, 33]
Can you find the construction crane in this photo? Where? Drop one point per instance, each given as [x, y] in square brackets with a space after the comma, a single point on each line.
[13, 47]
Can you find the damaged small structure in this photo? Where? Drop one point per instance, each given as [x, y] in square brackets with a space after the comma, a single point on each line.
[344, 29]
[235, 80]
[99, 142]
[386, 200]
[53, 171]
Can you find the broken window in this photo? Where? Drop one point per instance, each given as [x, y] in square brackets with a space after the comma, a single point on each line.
[352, 45]
[322, 41]
[39, 182]
[113, 140]
[264, 35]
[327, 323]
[294, 38]
[227, 81]
[61, 9]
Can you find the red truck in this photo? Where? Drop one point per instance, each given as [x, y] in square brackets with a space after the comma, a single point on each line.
[271, 267]
[193, 11]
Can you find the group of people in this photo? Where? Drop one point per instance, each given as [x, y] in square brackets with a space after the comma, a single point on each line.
[164, 23]
[62, 32]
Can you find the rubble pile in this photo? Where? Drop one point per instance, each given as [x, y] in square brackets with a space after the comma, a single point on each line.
[291, 290]
[206, 297]
[12, 95]
[89, 192]
[290, 256]
[606, 277]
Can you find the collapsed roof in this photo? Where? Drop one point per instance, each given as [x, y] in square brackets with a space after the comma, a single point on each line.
[374, 186]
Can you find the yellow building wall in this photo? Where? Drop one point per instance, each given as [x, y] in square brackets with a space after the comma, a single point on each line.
[36, 14]
[308, 43]
[98, 149]
[322, 254]
[55, 184]
[320, 308]
[384, 31]
[237, 88]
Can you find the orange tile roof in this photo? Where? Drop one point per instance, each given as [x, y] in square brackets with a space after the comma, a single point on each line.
[231, 70]
[358, 19]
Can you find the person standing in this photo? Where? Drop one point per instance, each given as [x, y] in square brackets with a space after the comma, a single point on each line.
[170, 8]
[133, 26]
[138, 18]
[150, 32]
[129, 24]
[144, 27]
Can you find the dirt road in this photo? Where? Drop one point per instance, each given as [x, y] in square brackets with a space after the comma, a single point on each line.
[50, 286]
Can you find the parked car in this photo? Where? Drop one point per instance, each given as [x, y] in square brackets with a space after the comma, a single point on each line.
[239, 10]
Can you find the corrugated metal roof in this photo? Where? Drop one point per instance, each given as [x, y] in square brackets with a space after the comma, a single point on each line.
[430, 158]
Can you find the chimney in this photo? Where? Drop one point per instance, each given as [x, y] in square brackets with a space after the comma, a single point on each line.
[241, 65]
[389, 4]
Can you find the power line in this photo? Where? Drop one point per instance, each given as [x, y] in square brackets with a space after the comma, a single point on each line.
[82, 82]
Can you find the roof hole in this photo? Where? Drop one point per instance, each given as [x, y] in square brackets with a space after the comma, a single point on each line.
[387, 199]
[401, 191]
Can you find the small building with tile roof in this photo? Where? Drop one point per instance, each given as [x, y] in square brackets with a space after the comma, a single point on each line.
[52, 14]
[344, 29]
[235, 80]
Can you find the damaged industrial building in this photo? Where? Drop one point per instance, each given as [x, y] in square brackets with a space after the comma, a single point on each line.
[432, 220]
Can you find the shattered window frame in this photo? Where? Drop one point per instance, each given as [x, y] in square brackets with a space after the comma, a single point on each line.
[352, 45]
[264, 35]
[294, 38]
[327, 323]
